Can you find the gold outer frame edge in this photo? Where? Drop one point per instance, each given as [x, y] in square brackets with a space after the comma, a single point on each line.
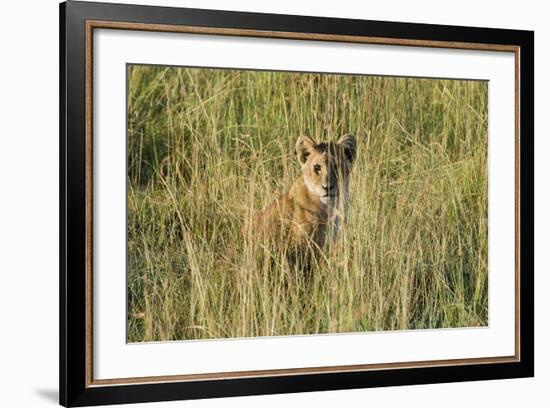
[100, 24]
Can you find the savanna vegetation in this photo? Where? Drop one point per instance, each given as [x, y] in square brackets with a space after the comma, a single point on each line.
[207, 148]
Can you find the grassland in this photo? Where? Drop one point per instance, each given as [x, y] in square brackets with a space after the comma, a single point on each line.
[208, 147]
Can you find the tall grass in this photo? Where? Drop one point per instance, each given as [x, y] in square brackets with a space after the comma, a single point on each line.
[208, 147]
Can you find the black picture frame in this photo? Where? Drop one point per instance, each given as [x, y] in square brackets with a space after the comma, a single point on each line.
[75, 389]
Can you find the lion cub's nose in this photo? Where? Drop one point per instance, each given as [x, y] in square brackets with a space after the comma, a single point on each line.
[327, 188]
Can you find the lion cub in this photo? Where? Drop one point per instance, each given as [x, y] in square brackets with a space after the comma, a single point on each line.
[302, 220]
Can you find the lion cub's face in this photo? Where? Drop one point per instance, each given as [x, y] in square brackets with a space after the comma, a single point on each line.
[326, 166]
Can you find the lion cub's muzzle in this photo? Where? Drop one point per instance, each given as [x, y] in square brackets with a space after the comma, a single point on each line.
[330, 190]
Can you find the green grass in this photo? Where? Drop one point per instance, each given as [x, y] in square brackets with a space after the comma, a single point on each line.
[208, 147]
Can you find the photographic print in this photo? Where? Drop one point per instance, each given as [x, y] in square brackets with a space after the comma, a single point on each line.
[265, 203]
[257, 204]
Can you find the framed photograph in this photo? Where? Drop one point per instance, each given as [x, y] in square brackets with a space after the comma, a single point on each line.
[256, 204]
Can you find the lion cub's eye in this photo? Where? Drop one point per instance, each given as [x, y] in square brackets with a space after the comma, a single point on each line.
[317, 168]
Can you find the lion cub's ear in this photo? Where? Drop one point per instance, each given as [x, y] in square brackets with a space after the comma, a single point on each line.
[304, 147]
[349, 143]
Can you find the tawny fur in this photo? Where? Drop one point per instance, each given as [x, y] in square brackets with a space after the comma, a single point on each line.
[310, 214]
